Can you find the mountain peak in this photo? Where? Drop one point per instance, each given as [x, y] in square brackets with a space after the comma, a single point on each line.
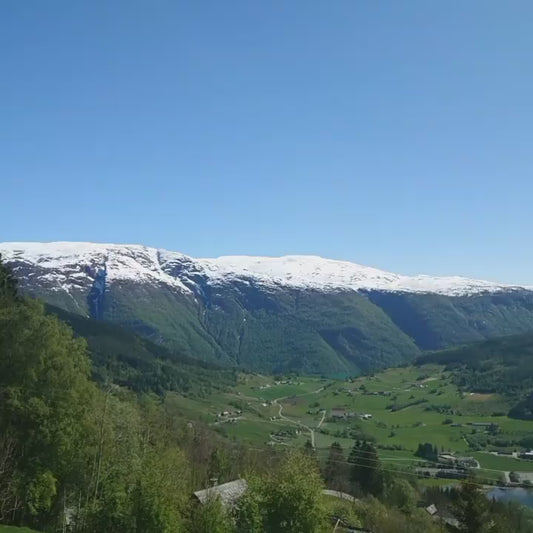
[138, 262]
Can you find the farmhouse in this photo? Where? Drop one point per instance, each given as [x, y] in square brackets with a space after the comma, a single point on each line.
[338, 412]
[483, 424]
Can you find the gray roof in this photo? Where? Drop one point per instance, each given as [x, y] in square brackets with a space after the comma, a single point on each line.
[228, 493]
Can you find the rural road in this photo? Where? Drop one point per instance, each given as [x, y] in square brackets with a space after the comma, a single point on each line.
[322, 419]
[297, 422]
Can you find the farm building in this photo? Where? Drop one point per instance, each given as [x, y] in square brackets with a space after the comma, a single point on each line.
[338, 412]
[228, 493]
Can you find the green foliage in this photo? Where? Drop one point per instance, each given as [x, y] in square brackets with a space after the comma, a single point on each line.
[289, 499]
[378, 517]
[122, 357]
[366, 471]
[472, 509]
[249, 511]
[210, 518]
[45, 394]
[503, 365]
[401, 494]
[427, 451]
[335, 473]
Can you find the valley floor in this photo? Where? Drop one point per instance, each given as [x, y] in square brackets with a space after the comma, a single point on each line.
[398, 409]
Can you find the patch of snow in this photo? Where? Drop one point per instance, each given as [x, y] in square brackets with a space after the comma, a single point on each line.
[65, 264]
[326, 274]
[63, 261]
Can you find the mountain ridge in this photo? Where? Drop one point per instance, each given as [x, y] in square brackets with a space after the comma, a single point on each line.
[297, 313]
[304, 271]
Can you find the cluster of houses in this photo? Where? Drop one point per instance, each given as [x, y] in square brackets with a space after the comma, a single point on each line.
[339, 413]
[281, 436]
[458, 461]
[227, 417]
[379, 393]
[280, 382]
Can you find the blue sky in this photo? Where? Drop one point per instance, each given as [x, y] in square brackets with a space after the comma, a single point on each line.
[394, 134]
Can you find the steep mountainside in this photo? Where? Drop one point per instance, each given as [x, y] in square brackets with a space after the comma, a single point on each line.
[122, 357]
[296, 313]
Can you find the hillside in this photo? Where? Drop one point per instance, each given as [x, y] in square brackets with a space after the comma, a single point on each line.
[120, 356]
[294, 313]
[503, 366]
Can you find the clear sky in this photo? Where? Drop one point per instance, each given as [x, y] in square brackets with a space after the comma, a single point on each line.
[394, 134]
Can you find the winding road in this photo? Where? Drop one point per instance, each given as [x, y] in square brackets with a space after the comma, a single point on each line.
[297, 422]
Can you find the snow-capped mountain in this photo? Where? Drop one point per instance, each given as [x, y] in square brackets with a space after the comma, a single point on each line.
[67, 263]
[301, 313]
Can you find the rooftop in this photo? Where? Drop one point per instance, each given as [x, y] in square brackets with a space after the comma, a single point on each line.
[228, 493]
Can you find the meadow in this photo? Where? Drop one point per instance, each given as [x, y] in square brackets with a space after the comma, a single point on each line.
[407, 406]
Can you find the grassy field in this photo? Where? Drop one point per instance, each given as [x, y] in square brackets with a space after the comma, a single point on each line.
[407, 405]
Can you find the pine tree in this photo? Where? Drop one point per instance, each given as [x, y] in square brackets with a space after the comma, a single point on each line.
[366, 471]
[335, 470]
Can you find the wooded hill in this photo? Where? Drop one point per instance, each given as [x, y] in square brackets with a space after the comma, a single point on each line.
[503, 365]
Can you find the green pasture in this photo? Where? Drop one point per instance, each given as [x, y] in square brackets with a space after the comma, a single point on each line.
[408, 406]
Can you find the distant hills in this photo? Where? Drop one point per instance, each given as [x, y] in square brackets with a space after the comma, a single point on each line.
[295, 313]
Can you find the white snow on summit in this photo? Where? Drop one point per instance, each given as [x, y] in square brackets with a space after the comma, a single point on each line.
[319, 273]
[65, 262]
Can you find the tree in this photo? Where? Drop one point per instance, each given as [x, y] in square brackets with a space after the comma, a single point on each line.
[210, 517]
[427, 451]
[249, 513]
[291, 499]
[335, 471]
[472, 509]
[45, 394]
[401, 494]
[366, 472]
[161, 492]
[8, 285]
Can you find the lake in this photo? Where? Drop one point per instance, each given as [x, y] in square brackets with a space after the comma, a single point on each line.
[519, 495]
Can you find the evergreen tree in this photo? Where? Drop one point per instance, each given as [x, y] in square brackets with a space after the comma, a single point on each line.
[472, 509]
[366, 472]
[335, 472]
